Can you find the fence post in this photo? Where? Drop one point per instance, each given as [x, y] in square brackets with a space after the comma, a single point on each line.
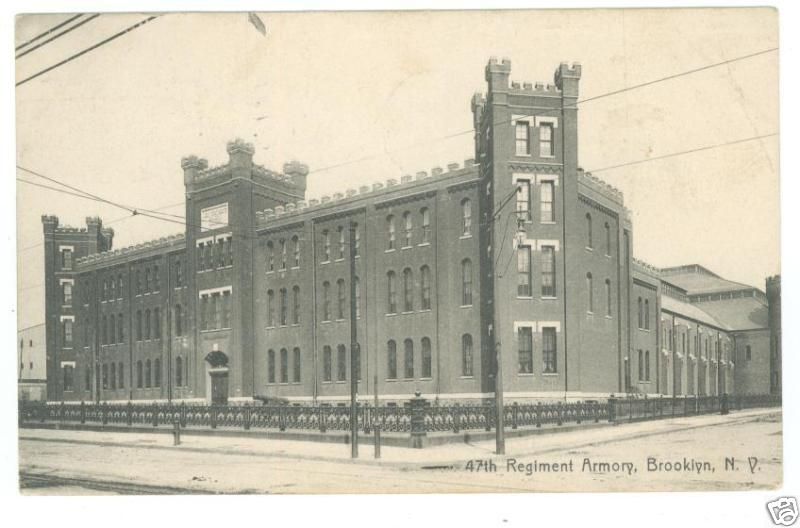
[83, 412]
[596, 411]
[155, 415]
[61, 412]
[456, 417]
[366, 418]
[104, 413]
[560, 413]
[612, 409]
[183, 414]
[514, 413]
[281, 418]
[213, 411]
[487, 412]
[322, 418]
[129, 412]
[247, 418]
[418, 432]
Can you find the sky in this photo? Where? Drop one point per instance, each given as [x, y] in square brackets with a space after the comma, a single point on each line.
[333, 88]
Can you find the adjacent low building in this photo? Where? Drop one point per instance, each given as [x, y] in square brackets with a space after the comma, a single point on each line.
[32, 360]
[516, 255]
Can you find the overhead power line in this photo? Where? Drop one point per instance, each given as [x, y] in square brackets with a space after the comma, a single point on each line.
[87, 50]
[42, 35]
[57, 35]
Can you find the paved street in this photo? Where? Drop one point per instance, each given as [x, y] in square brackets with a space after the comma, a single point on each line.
[674, 454]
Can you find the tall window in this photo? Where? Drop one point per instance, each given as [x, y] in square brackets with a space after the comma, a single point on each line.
[68, 378]
[156, 324]
[589, 231]
[68, 331]
[525, 349]
[647, 365]
[524, 199]
[284, 308]
[121, 374]
[609, 300]
[326, 301]
[284, 366]
[748, 353]
[589, 293]
[466, 217]
[391, 360]
[270, 308]
[356, 241]
[156, 280]
[326, 246]
[608, 238]
[357, 288]
[119, 286]
[425, 287]
[341, 299]
[113, 376]
[426, 225]
[296, 251]
[139, 282]
[67, 292]
[408, 359]
[296, 305]
[112, 329]
[548, 271]
[104, 370]
[640, 313]
[148, 374]
[147, 280]
[340, 256]
[296, 365]
[390, 233]
[524, 272]
[466, 282]
[356, 351]
[147, 327]
[547, 212]
[466, 355]
[66, 259]
[641, 365]
[522, 138]
[283, 254]
[270, 257]
[546, 140]
[178, 371]
[138, 325]
[139, 376]
[408, 225]
[201, 258]
[341, 363]
[549, 356]
[120, 329]
[270, 366]
[647, 314]
[391, 282]
[408, 290]
[327, 374]
[427, 366]
[156, 372]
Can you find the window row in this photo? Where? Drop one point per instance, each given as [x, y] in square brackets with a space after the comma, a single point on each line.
[147, 282]
[643, 313]
[283, 365]
[408, 287]
[644, 365]
[408, 370]
[522, 139]
[215, 254]
[590, 235]
[342, 365]
[525, 350]
[342, 309]
[283, 307]
[609, 296]
[329, 252]
[547, 210]
[283, 254]
[215, 310]
[66, 259]
[525, 271]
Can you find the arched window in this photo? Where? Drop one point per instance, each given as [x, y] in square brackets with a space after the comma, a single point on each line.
[105, 376]
[147, 280]
[112, 289]
[608, 238]
[427, 366]
[609, 300]
[589, 293]
[139, 375]
[104, 329]
[178, 371]
[120, 331]
[640, 313]
[138, 325]
[296, 305]
[157, 372]
[356, 241]
[270, 366]
[391, 360]
[296, 251]
[390, 233]
[341, 363]
[647, 314]
[326, 246]
[426, 225]
[157, 323]
[466, 355]
[326, 301]
[178, 274]
[296, 365]
[121, 374]
[284, 306]
[147, 326]
[341, 243]
[409, 225]
[425, 287]
[139, 281]
[391, 282]
[466, 282]
[112, 329]
[113, 376]
[341, 299]
[466, 217]
[408, 359]
[156, 282]
[283, 254]
[270, 308]
[284, 366]
[408, 290]
[327, 364]
[148, 374]
[178, 320]
[589, 231]
[270, 257]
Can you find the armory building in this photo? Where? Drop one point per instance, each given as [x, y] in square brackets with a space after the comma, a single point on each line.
[517, 254]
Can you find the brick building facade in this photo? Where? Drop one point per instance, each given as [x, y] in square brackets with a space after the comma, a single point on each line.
[517, 254]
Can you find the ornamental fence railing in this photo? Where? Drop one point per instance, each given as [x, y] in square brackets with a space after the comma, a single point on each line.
[417, 416]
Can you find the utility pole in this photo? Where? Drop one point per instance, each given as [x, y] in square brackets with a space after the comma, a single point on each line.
[355, 352]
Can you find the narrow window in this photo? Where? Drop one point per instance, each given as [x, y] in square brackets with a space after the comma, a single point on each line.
[391, 282]
[466, 217]
[139, 282]
[147, 281]
[390, 233]
[426, 225]
[296, 365]
[748, 353]
[67, 290]
[201, 258]
[647, 314]
[356, 351]
[608, 238]
[138, 325]
[270, 366]
[466, 355]
[157, 324]
[524, 272]
[427, 366]
[525, 349]
[391, 360]
[283, 254]
[326, 363]
[466, 282]
[156, 372]
[230, 250]
[647, 365]
[524, 200]
[105, 376]
[326, 301]
[341, 243]
[284, 366]
[284, 309]
[178, 372]
[589, 293]
[178, 320]
[270, 257]
[112, 329]
[357, 288]
[147, 327]
[156, 281]
[296, 305]
[356, 241]
[148, 374]
[408, 225]
[68, 378]
[341, 363]
[121, 373]
[326, 246]
[68, 331]
[408, 359]
[296, 251]
[178, 274]
[609, 300]
[640, 313]
[119, 286]
[547, 212]
[546, 140]
[270, 308]
[341, 299]
[226, 309]
[120, 329]
[139, 376]
[408, 290]
[66, 259]
[113, 376]
[549, 356]
[589, 231]
[522, 138]
[87, 379]
[548, 271]
[425, 287]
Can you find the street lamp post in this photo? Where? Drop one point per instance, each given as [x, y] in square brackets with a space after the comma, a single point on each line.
[355, 351]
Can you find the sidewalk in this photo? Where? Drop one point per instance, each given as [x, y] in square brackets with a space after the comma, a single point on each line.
[435, 456]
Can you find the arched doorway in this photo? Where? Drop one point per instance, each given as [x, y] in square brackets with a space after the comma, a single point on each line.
[218, 377]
